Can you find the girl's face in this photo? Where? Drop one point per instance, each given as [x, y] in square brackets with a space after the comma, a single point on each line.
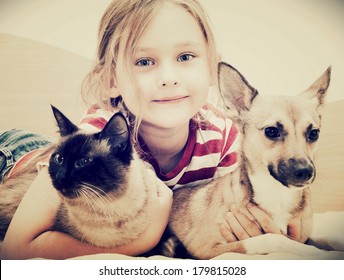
[171, 70]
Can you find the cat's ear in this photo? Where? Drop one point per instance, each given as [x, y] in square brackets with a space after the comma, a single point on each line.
[66, 127]
[116, 131]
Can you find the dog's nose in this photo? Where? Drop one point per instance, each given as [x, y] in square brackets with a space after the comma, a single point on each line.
[300, 172]
[293, 172]
[303, 173]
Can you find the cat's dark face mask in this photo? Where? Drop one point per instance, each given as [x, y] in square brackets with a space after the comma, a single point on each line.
[91, 164]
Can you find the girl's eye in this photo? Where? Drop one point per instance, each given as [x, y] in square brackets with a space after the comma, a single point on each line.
[58, 159]
[313, 135]
[185, 57]
[144, 62]
[83, 162]
[272, 132]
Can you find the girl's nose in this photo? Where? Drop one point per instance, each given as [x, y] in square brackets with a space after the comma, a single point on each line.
[168, 77]
[165, 84]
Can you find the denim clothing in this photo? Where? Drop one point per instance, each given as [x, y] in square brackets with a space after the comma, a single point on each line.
[16, 143]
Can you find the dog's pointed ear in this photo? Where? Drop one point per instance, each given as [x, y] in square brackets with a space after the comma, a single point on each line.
[317, 91]
[236, 92]
[66, 127]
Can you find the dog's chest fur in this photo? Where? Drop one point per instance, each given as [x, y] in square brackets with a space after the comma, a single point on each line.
[280, 202]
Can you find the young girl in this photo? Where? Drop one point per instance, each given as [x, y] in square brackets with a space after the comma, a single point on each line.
[156, 61]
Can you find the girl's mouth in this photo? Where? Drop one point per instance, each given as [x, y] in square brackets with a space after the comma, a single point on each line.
[171, 99]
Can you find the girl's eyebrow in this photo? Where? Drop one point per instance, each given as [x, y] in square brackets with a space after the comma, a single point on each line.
[178, 46]
[189, 43]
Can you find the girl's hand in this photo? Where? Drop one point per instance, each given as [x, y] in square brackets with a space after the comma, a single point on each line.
[29, 233]
[242, 224]
[295, 228]
[162, 200]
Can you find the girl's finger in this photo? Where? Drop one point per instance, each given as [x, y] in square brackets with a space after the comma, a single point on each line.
[248, 223]
[264, 220]
[294, 228]
[236, 227]
[227, 233]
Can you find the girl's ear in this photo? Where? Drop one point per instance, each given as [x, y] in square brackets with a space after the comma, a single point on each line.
[213, 80]
[109, 83]
[113, 89]
[214, 76]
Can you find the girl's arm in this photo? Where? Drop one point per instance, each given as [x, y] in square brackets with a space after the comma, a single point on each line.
[29, 233]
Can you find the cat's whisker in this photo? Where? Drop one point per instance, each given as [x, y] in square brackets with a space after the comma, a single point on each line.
[97, 189]
[99, 192]
[90, 201]
[101, 200]
[95, 199]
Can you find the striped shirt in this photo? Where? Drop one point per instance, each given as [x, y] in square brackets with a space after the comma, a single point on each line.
[211, 149]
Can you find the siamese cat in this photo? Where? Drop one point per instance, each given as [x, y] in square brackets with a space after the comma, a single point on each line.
[105, 189]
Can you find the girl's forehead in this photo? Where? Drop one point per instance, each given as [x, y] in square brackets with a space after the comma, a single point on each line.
[172, 25]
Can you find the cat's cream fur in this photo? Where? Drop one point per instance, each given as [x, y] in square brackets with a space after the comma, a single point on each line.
[105, 219]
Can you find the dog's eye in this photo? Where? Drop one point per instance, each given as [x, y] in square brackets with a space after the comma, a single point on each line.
[313, 135]
[272, 132]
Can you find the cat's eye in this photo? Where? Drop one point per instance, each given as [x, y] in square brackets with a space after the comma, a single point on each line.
[83, 162]
[58, 159]
[313, 135]
[272, 133]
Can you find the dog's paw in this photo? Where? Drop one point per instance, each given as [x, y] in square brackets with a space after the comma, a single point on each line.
[328, 231]
[276, 243]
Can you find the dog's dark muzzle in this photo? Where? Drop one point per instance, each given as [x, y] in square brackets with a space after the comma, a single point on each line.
[293, 172]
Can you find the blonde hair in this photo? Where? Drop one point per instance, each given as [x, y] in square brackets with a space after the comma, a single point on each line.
[120, 28]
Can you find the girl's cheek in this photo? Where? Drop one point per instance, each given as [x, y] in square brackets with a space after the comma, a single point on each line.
[145, 87]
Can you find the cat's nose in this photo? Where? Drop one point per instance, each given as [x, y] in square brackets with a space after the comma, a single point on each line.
[66, 189]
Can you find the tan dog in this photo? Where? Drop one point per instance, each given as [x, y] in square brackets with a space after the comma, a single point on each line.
[279, 137]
